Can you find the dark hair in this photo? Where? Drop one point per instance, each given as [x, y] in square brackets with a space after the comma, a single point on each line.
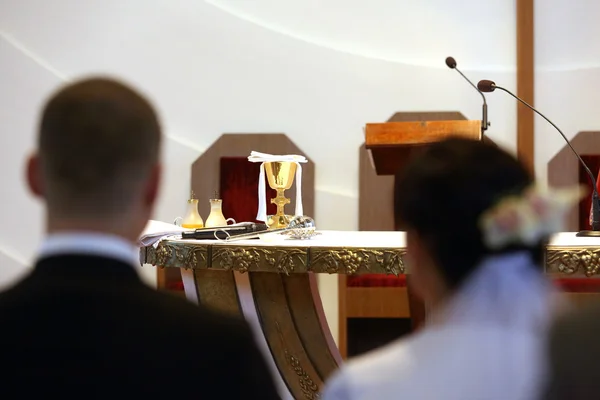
[98, 139]
[442, 193]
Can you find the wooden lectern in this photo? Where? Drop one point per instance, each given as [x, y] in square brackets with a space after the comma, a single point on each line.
[391, 144]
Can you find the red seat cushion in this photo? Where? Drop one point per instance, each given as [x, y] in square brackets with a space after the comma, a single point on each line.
[578, 285]
[376, 280]
[569, 285]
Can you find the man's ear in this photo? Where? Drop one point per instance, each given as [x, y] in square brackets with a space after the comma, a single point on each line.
[153, 185]
[34, 175]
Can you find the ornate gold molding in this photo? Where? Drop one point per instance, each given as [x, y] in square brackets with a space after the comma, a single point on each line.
[244, 259]
[573, 260]
[168, 255]
[358, 260]
[280, 259]
[309, 388]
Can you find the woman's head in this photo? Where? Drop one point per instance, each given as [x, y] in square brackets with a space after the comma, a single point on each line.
[439, 199]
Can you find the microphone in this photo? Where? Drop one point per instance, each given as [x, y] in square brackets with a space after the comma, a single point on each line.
[451, 63]
[489, 86]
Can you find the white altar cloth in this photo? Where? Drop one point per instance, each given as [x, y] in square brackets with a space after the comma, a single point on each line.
[569, 239]
[378, 239]
[353, 239]
[157, 230]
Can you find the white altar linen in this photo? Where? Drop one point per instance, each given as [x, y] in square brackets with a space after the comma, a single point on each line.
[155, 231]
[353, 239]
[570, 239]
[380, 239]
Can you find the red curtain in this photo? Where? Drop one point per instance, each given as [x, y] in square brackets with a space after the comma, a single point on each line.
[239, 189]
[598, 188]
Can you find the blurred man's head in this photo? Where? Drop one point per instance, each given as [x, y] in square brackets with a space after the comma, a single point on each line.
[97, 165]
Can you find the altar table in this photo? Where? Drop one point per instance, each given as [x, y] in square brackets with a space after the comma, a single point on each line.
[569, 255]
[272, 283]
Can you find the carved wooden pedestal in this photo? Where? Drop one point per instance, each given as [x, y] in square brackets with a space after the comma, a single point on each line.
[272, 284]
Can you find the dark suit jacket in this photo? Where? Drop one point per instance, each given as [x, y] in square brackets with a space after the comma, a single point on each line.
[574, 350]
[87, 327]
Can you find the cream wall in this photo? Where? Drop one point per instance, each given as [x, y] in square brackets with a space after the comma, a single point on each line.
[567, 85]
[317, 70]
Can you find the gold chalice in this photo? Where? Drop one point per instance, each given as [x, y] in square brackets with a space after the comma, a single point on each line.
[280, 175]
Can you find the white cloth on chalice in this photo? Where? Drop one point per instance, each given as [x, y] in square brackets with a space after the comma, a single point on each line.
[262, 158]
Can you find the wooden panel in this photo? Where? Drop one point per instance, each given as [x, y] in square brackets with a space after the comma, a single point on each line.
[525, 81]
[277, 321]
[374, 302]
[310, 321]
[217, 289]
[376, 197]
[580, 300]
[389, 160]
[419, 132]
[161, 278]
[248, 306]
[342, 317]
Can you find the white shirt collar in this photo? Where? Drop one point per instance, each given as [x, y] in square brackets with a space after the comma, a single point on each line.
[92, 244]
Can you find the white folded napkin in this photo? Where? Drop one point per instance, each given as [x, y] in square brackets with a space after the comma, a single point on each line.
[256, 156]
[155, 231]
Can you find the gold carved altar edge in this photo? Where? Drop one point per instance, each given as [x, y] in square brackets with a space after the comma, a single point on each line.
[287, 301]
[561, 260]
[571, 260]
[279, 259]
